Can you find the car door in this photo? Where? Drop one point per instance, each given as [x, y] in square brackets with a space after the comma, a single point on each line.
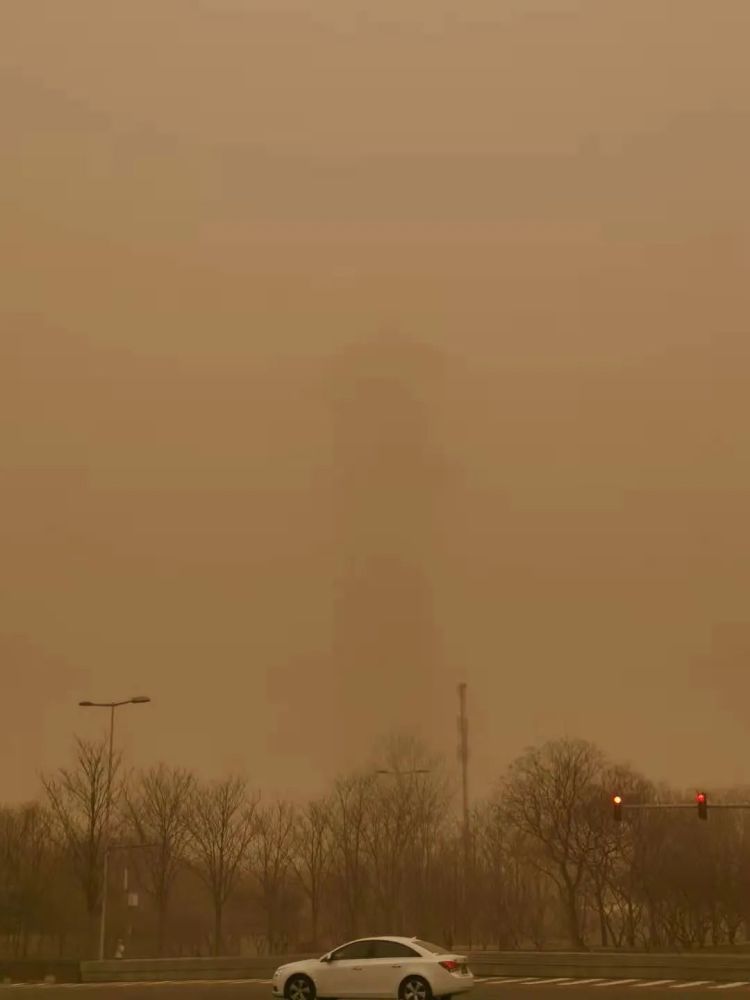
[387, 967]
[346, 973]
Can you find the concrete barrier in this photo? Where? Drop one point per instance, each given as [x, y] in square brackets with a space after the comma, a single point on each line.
[34, 970]
[611, 965]
[137, 970]
[575, 965]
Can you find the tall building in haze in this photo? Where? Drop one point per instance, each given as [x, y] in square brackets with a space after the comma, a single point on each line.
[386, 482]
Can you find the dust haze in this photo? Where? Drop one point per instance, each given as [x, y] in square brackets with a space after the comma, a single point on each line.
[347, 356]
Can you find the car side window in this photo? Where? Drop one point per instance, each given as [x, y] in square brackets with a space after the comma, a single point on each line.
[355, 950]
[393, 949]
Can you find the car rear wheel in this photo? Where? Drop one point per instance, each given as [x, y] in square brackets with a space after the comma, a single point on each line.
[300, 988]
[415, 988]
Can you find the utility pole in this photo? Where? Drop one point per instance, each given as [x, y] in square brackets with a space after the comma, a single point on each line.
[463, 754]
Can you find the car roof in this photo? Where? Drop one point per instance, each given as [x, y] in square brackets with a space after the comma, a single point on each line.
[385, 937]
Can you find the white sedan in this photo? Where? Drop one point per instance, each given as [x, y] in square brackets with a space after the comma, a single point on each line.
[382, 967]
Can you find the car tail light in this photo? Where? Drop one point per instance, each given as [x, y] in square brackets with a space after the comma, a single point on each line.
[450, 965]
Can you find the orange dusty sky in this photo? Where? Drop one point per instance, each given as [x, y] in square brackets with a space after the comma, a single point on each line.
[352, 350]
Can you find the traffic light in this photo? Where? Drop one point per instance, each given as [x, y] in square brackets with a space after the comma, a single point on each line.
[702, 801]
[617, 807]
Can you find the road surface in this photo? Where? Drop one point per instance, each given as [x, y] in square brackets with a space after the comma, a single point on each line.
[497, 988]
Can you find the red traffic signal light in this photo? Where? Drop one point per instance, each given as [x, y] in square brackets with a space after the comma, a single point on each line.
[702, 800]
[617, 807]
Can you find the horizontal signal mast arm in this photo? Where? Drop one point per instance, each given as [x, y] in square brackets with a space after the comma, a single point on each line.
[683, 805]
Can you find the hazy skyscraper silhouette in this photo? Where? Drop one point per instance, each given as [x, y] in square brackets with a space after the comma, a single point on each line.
[387, 468]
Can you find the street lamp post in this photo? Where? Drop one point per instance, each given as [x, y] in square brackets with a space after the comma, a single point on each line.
[111, 705]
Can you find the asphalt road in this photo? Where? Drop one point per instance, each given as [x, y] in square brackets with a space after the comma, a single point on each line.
[490, 989]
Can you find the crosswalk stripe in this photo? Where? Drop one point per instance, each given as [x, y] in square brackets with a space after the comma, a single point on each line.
[618, 982]
[729, 986]
[528, 979]
[504, 979]
[536, 980]
[544, 981]
[654, 982]
[581, 982]
[698, 982]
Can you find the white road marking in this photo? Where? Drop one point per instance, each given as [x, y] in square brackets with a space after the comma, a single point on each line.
[654, 982]
[728, 986]
[526, 980]
[545, 981]
[521, 980]
[618, 982]
[698, 982]
[580, 982]
[501, 979]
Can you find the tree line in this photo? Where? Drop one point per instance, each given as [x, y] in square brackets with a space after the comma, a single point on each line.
[217, 869]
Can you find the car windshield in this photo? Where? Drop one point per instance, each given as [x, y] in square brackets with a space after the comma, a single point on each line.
[436, 949]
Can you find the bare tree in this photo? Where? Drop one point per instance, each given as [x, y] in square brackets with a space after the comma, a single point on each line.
[445, 894]
[428, 814]
[220, 823]
[406, 808]
[730, 859]
[28, 863]
[499, 898]
[157, 810]
[311, 858]
[270, 861]
[77, 798]
[385, 836]
[611, 882]
[349, 818]
[646, 881]
[546, 796]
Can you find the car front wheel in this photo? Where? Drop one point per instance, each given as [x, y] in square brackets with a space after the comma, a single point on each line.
[300, 988]
[415, 988]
